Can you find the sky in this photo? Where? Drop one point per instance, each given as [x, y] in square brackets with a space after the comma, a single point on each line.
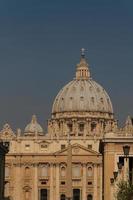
[40, 44]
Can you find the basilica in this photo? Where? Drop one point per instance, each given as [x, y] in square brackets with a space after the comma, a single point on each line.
[83, 154]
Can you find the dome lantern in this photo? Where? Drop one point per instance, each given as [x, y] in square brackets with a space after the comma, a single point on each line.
[82, 72]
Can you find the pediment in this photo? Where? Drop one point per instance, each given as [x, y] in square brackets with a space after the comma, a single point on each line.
[7, 133]
[78, 149]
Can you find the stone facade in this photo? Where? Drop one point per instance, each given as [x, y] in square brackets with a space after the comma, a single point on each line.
[3, 151]
[67, 160]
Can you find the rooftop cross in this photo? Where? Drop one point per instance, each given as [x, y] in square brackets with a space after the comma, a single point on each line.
[82, 52]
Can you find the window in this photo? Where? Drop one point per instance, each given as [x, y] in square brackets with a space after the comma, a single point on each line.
[27, 146]
[89, 171]
[63, 146]
[63, 197]
[63, 171]
[70, 127]
[43, 194]
[62, 182]
[93, 126]
[89, 197]
[81, 127]
[43, 182]
[89, 146]
[44, 146]
[89, 183]
[27, 172]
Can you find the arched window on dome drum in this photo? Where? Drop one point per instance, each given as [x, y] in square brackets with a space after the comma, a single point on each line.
[63, 197]
[89, 171]
[70, 127]
[89, 197]
[81, 127]
[93, 126]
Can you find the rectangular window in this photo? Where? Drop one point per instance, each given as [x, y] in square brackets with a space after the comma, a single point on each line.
[27, 146]
[62, 182]
[63, 146]
[44, 146]
[89, 146]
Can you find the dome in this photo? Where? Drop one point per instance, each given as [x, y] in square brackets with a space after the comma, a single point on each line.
[82, 94]
[33, 126]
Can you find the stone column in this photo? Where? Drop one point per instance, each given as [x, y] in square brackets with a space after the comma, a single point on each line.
[61, 127]
[57, 182]
[89, 125]
[95, 182]
[35, 182]
[51, 182]
[84, 183]
[74, 127]
[101, 181]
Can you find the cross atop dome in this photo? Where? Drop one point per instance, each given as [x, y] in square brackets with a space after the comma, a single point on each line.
[83, 53]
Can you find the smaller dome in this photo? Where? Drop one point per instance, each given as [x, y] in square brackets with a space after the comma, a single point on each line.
[33, 126]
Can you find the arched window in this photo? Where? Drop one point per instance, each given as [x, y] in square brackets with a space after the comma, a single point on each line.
[63, 171]
[27, 171]
[63, 197]
[89, 197]
[70, 127]
[89, 171]
[81, 127]
[93, 126]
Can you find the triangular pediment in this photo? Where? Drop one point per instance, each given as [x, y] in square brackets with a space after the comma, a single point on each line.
[7, 133]
[78, 149]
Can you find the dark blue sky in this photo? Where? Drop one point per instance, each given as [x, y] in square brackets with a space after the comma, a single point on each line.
[40, 44]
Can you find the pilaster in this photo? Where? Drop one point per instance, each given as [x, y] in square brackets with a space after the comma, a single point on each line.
[95, 182]
[84, 182]
[57, 182]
